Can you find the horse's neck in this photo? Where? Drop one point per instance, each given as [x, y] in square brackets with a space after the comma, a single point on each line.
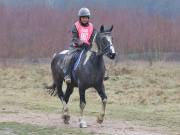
[94, 47]
[96, 62]
[94, 53]
[92, 56]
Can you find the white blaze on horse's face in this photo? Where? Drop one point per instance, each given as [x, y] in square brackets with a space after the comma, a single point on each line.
[112, 49]
[109, 39]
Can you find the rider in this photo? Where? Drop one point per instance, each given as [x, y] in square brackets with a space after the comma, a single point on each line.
[83, 34]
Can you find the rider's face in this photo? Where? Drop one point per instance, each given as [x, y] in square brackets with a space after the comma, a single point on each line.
[84, 19]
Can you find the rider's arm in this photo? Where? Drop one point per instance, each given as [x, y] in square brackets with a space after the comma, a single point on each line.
[75, 37]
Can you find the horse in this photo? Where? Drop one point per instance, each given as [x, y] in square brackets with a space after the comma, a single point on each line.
[90, 64]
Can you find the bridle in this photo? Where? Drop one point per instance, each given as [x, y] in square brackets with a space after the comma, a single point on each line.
[99, 43]
[107, 46]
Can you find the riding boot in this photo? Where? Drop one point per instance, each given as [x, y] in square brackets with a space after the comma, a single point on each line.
[66, 69]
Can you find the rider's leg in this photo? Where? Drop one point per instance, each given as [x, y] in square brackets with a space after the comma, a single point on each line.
[67, 67]
[68, 61]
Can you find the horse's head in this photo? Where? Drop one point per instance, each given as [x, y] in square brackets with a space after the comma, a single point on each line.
[104, 42]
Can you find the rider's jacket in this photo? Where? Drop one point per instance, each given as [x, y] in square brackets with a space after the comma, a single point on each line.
[82, 34]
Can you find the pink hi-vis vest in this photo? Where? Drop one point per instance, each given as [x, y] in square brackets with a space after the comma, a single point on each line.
[84, 32]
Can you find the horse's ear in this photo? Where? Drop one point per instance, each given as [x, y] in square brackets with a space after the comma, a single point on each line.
[102, 28]
[111, 28]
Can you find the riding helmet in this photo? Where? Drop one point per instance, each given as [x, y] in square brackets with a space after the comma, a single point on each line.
[84, 12]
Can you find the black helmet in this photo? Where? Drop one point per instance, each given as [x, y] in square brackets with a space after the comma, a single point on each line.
[84, 12]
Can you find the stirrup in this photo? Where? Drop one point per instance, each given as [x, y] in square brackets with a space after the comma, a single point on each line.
[67, 79]
[106, 76]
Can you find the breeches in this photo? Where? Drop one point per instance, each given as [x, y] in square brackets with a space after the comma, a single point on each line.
[69, 60]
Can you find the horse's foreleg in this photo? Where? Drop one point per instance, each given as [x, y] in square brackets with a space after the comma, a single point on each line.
[102, 94]
[100, 118]
[82, 122]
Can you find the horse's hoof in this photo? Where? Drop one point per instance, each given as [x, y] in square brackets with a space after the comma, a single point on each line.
[66, 122]
[82, 123]
[66, 119]
[99, 119]
[106, 78]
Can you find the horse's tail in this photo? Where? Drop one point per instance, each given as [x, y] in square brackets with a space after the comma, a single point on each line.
[57, 57]
[52, 89]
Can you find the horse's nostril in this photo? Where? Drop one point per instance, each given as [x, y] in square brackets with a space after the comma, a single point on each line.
[113, 55]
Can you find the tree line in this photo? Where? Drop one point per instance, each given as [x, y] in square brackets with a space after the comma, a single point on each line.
[39, 31]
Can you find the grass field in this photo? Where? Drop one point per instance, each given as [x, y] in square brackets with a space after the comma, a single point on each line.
[137, 92]
[12, 128]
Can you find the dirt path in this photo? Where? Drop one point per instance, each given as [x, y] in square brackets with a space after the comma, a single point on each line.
[109, 127]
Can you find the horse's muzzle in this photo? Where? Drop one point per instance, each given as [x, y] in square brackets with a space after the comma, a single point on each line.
[111, 55]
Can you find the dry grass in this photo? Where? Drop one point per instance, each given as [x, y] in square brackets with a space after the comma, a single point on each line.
[144, 84]
[136, 92]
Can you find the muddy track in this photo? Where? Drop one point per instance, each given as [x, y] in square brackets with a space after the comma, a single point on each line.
[109, 127]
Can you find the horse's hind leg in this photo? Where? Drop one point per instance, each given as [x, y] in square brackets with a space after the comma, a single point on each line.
[66, 115]
[59, 90]
[102, 94]
[60, 93]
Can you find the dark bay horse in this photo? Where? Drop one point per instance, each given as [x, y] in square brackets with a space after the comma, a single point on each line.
[88, 73]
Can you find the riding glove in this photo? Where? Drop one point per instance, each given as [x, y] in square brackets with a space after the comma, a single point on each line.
[85, 46]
